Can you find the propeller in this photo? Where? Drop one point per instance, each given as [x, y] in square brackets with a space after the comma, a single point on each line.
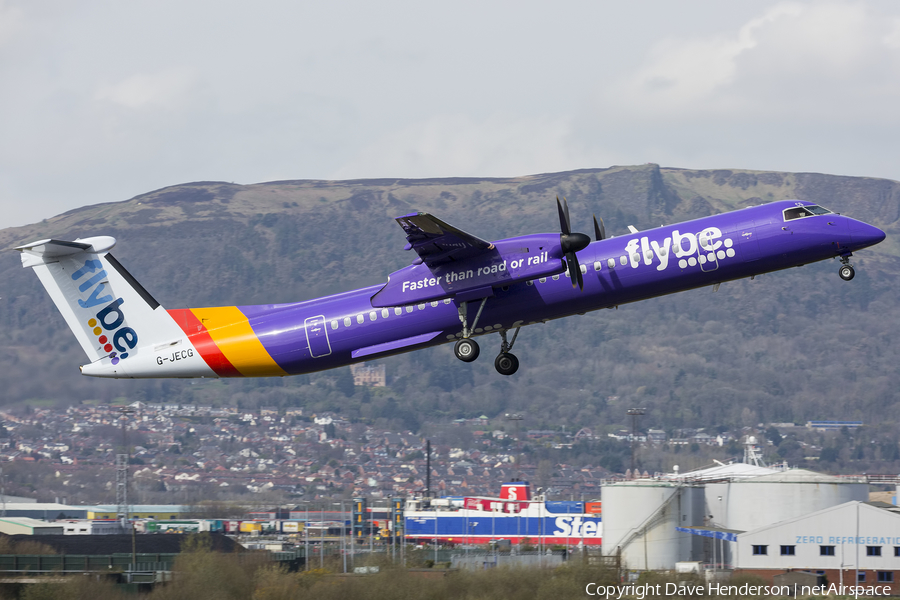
[570, 243]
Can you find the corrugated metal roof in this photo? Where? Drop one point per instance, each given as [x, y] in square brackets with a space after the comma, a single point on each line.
[732, 471]
[803, 476]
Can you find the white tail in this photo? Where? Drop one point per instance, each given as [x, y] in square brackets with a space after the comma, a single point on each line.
[109, 312]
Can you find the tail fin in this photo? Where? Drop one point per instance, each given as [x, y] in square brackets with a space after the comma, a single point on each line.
[94, 293]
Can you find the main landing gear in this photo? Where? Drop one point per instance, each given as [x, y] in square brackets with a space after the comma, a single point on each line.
[846, 272]
[467, 349]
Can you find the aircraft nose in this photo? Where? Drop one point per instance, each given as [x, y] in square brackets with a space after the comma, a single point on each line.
[864, 235]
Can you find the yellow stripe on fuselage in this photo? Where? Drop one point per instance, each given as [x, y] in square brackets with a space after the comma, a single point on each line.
[230, 330]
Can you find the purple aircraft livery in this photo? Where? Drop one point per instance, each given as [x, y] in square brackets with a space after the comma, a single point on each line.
[458, 287]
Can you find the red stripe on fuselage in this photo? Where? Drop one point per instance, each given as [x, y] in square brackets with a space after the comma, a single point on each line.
[203, 342]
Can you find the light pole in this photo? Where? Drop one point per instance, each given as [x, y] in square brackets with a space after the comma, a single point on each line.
[516, 417]
[122, 470]
[343, 548]
[322, 538]
[634, 413]
[306, 538]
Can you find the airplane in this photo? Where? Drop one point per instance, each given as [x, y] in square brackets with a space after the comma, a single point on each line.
[458, 287]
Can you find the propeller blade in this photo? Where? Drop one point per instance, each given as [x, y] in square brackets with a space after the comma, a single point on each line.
[599, 230]
[570, 243]
[574, 270]
[563, 217]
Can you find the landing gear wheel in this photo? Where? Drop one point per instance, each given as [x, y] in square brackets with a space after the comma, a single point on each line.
[506, 363]
[846, 272]
[466, 350]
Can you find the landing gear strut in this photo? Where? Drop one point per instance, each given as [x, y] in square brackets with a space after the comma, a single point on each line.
[467, 349]
[846, 272]
[506, 363]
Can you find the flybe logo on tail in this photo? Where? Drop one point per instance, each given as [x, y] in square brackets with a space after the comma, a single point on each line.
[108, 323]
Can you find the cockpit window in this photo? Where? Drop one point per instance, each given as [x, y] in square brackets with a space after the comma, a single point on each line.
[818, 210]
[798, 212]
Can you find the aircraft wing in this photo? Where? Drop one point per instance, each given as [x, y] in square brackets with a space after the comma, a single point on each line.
[438, 243]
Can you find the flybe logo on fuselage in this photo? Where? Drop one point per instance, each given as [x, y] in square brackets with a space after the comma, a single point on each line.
[108, 323]
[690, 249]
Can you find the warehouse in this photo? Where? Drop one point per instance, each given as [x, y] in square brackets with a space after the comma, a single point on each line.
[28, 526]
[855, 542]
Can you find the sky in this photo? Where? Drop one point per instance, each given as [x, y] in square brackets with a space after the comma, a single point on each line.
[103, 100]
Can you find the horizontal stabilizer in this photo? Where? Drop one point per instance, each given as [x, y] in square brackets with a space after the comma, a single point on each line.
[47, 251]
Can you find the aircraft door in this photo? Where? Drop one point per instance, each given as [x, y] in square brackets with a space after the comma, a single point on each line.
[706, 253]
[317, 337]
[749, 241]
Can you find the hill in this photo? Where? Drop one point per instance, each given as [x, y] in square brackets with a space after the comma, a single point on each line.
[789, 346]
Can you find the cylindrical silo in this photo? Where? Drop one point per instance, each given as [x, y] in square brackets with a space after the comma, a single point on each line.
[640, 517]
[748, 504]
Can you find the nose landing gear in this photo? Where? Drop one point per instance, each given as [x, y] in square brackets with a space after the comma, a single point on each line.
[846, 272]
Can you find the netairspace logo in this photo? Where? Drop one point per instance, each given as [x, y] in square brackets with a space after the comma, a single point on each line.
[642, 591]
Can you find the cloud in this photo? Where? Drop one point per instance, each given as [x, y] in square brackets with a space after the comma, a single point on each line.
[167, 89]
[11, 22]
[794, 60]
[461, 145]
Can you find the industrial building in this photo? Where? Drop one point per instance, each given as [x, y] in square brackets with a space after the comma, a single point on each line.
[849, 544]
[27, 526]
[700, 516]
[88, 527]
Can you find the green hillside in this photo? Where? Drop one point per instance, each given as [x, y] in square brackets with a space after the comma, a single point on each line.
[789, 346]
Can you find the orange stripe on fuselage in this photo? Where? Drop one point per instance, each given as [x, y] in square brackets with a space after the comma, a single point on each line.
[231, 333]
[203, 342]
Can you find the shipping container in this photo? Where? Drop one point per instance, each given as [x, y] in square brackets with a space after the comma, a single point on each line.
[250, 527]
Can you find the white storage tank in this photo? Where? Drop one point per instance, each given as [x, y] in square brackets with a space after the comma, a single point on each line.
[640, 517]
[747, 504]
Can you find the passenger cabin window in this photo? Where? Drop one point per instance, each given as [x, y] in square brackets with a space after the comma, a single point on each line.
[798, 212]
